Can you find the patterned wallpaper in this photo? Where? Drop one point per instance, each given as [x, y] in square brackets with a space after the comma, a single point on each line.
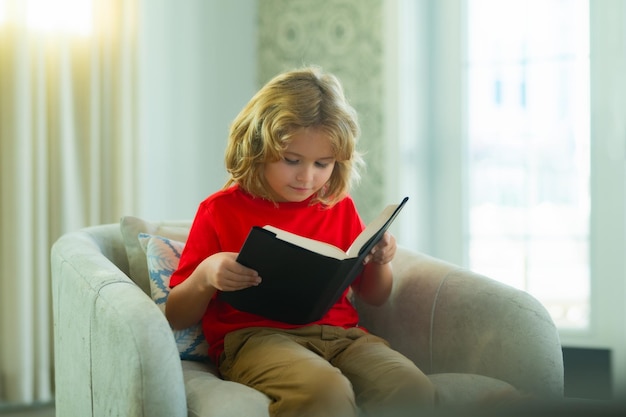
[343, 37]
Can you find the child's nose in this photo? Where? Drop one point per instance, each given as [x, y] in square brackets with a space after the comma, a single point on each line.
[305, 173]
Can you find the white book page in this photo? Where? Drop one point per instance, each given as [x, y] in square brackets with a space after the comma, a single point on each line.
[332, 251]
[313, 245]
[371, 229]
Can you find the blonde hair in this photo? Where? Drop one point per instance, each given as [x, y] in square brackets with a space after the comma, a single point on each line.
[293, 100]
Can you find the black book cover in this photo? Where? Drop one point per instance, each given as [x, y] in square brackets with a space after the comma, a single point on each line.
[298, 285]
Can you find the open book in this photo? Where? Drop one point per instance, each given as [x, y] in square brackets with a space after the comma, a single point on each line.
[302, 277]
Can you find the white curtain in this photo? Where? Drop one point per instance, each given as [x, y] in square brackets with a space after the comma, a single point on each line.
[67, 159]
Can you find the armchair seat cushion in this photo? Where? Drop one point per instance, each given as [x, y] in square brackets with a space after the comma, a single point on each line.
[208, 395]
[457, 390]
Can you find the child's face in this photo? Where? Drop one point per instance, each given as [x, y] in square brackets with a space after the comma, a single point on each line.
[306, 166]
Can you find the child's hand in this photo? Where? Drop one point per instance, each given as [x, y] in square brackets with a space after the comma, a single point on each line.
[223, 272]
[384, 251]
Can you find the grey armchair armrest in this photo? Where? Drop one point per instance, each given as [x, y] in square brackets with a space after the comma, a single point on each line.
[115, 353]
[457, 325]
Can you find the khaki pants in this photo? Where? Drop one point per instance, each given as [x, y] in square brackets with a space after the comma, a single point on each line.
[323, 371]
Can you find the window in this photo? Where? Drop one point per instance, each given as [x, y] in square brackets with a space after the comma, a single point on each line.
[528, 140]
[69, 16]
[3, 12]
[511, 137]
[58, 16]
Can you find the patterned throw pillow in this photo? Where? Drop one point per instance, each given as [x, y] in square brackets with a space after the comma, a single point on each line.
[131, 227]
[162, 256]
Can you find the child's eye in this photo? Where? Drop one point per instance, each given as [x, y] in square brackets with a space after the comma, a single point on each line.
[291, 161]
[321, 164]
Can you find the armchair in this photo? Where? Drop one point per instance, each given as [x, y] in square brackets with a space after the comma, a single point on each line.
[115, 353]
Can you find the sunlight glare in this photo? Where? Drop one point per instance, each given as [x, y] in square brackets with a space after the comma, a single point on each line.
[60, 16]
[3, 11]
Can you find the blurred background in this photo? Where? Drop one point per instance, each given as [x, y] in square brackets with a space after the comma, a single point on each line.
[503, 120]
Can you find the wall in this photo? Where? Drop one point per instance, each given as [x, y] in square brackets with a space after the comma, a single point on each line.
[201, 61]
[344, 37]
[197, 68]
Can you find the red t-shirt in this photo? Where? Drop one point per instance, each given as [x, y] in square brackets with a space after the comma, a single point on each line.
[222, 224]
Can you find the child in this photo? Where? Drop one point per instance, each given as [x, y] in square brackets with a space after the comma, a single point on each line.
[291, 158]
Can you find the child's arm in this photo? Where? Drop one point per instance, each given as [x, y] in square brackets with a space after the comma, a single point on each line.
[375, 284]
[188, 301]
